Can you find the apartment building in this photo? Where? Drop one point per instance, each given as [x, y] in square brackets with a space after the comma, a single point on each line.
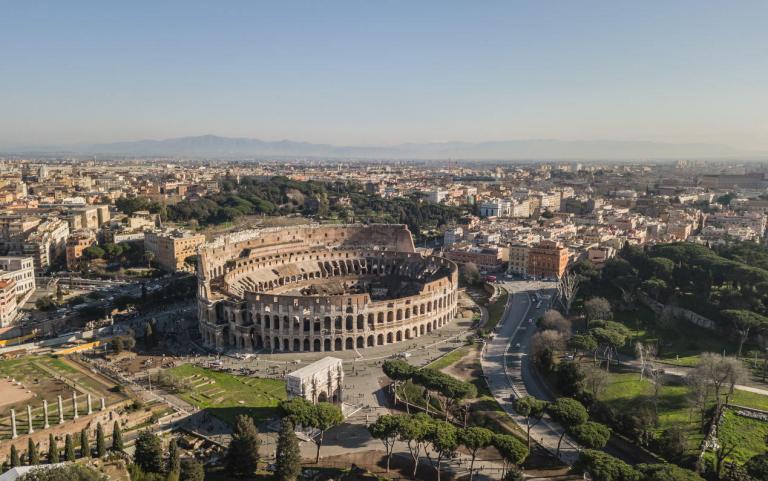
[489, 259]
[21, 270]
[76, 244]
[518, 259]
[8, 306]
[547, 259]
[171, 247]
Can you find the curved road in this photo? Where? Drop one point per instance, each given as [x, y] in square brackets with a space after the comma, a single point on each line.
[508, 370]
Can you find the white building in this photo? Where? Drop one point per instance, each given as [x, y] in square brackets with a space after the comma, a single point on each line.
[495, 208]
[452, 236]
[321, 381]
[21, 270]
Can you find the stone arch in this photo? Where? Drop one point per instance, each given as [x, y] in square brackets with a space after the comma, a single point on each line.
[296, 345]
[360, 322]
[322, 397]
[259, 342]
[361, 341]
[380, 318]
[276, 343]
[399, 336]
[306, 345]
[389, 338]
[317, 345]
[350, 323]
[390, 316]
[350, 343]
[421, 330]
[399, 315]
[370, 340]
[327, 345]
[337, 323]
[380, 340]
[327, 323]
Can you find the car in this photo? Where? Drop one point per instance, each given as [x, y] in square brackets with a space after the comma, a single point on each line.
[517, 345]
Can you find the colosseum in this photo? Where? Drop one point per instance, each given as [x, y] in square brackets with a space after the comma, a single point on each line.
[320, 288]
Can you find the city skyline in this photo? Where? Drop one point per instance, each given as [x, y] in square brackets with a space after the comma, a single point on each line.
[354, 74]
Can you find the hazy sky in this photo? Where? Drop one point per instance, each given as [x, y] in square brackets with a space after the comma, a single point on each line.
[382, 72]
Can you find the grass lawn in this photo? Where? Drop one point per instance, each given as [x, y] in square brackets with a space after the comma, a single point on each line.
[226, 395]
[450, 358]
[626, 392]
[496, 310]
[748, 435]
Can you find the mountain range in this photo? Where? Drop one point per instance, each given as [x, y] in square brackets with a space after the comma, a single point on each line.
[213, 146]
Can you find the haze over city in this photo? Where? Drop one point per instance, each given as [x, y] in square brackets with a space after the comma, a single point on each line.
[387, 73]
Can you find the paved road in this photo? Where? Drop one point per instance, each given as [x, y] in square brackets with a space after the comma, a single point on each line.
[518, 378]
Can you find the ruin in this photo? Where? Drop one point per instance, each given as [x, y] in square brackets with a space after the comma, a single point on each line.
[321, 288]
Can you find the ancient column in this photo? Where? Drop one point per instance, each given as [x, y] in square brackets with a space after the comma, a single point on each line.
[14, 434]
[61, 410]
[74, 404]
[90, 409]
[29, 419]
[45, 413]
[103, 405]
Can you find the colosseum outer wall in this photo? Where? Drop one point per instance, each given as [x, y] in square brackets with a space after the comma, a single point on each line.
[242, 279]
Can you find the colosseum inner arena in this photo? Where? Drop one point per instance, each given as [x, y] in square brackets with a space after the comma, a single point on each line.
[321, 288]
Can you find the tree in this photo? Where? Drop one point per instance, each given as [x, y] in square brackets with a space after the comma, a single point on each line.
[567, 289]
[53, 450]
[591, 434]
[569, 413]
[174, 457]
[610, 336]
[15, 460]
[69, 448]
[533, 410]
[385, 429]
[666, 472]
[288, 463]
[595, 380]
[326, 416]
[149, 453]
[554, 320]
[604, 467]
[470, 274]
[744, 322]
[543, 346]
[513, 474]
[117, 438]
[720, 372]
[597, 309]
[413, 431]
[93, 252]
[69, 472]
[243, 451]
[85, 445]
[475, 439]
[757, 466]
[191, 470]
[298, 410]
[101, 443]
[512, 450]
[582, 343]
[673, 442]
[33, 456]
[400, 372]
[443, 438]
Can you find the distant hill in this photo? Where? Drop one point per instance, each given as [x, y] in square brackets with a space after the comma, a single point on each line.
[544, 149]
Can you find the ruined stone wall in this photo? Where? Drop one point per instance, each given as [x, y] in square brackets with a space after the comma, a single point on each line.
[237, 310]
